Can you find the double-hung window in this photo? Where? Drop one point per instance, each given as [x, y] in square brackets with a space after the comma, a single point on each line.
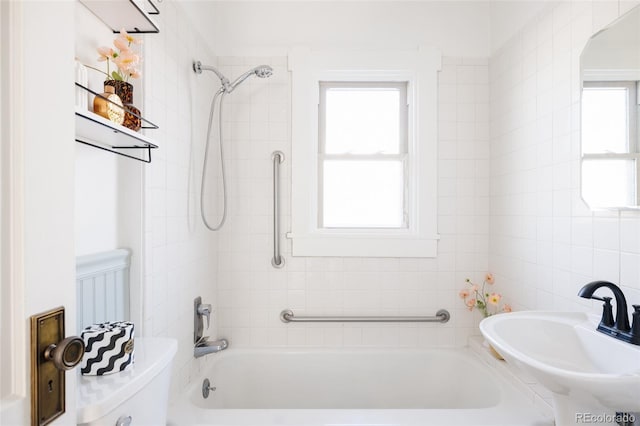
[364, 153]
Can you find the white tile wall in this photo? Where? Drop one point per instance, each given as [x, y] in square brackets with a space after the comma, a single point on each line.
[508, 200]
[180, 257]
[251, 293]
[545, 242]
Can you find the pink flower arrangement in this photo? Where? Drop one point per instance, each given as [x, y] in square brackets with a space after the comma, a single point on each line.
[125, 59]
[476, 297]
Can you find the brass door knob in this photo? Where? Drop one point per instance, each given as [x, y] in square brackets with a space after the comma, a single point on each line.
[66, 354]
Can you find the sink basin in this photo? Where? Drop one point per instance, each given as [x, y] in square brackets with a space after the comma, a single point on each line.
[588, 373]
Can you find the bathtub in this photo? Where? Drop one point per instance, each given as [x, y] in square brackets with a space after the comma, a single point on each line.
[353, 387]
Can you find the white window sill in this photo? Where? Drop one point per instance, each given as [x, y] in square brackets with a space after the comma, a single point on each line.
[323, 245]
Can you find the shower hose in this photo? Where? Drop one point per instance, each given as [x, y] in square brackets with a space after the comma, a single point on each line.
[219, 94]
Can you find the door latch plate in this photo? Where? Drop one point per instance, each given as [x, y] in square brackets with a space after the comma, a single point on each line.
[47, 382]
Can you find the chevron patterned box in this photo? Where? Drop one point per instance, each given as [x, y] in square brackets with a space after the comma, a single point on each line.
[109, 348]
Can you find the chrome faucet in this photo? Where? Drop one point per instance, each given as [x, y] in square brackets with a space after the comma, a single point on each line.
[202, 345]
[619, 328]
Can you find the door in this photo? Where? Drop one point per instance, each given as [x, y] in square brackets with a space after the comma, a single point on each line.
[37, 181]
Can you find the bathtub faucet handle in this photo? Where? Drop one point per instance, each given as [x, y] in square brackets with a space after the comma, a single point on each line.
[205, 311]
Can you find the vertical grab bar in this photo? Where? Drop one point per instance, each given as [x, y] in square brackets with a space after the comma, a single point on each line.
[277, 261]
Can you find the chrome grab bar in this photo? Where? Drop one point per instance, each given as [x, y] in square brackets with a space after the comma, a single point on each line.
[277, 261]
[441, 316]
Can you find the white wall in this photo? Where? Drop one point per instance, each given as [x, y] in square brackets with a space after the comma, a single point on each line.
[262, 28]
[545, 242]
[97, 203]
[509, 17]
[257, 121]
[180, 261]
[460, 28]
[251, 293]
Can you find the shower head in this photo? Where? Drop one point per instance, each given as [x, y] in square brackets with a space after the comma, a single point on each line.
[262, 71]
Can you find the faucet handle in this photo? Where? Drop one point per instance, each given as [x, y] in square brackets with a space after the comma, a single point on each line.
[607, 311]
[635, 325]
[205, 311]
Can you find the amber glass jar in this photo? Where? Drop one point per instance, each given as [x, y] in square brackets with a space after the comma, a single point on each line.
[123, 89]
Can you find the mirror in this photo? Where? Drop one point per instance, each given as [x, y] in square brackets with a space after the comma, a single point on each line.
[610, 74]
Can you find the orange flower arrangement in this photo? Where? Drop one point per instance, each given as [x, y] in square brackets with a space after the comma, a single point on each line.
[125, 59]
[476, 297]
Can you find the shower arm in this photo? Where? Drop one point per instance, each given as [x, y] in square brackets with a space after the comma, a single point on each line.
[198, 68]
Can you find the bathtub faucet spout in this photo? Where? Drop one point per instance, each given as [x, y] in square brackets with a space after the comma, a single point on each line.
[206, 347]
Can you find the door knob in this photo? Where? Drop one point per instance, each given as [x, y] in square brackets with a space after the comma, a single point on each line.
[51, 355]
[66, 354]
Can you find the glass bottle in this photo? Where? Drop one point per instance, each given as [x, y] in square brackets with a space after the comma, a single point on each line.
[109, 105]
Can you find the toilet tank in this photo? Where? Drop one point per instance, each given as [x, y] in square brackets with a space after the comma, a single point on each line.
[140, 393]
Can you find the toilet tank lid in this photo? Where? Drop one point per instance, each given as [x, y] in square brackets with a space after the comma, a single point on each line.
[98, 395]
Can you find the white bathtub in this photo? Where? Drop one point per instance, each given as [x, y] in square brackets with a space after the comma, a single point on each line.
[353, 387]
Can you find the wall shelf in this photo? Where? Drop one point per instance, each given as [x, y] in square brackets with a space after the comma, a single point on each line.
[132, 15]
[97, 131]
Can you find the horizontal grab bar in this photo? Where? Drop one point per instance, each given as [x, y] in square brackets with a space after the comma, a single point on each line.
[441, 316]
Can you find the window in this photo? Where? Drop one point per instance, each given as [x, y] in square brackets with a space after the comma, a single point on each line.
[364, 153]
[610, 143]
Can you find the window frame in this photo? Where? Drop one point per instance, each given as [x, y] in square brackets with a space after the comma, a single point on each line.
[633, 135]
[402, 155]
[419, 69]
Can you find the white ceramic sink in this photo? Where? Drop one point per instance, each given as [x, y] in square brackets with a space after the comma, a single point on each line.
[586, 371]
